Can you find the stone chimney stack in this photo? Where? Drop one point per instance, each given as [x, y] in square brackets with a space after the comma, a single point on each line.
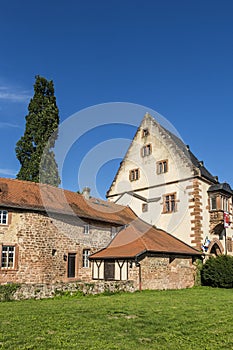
[86, 193]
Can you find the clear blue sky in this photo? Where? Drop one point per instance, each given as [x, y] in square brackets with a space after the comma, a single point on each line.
[175, 57]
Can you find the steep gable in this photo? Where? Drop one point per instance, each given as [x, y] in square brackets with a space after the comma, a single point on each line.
[164, 145]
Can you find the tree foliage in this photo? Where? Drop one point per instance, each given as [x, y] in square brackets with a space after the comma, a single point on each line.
[218, 272]
[34, 150]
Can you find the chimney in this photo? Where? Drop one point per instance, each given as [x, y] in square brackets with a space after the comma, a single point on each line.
[86, 193]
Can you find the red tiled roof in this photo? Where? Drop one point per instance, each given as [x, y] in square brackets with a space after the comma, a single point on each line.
[41, 197]
[139, 237]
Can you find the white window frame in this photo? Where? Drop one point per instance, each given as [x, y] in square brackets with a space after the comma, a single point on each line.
[8, 257]
[3, 217]
[86, 229]
[86, 261]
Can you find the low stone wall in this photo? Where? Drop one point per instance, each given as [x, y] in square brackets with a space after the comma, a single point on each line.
[42, 291]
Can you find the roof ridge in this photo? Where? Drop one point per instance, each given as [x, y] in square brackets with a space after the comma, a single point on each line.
[39, 184]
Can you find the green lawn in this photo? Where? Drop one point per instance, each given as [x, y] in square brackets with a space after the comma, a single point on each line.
[199, 318]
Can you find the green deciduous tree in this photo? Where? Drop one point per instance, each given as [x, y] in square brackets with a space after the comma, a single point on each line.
[34, 150]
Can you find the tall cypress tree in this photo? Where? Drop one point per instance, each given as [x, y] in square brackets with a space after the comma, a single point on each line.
[34, 149]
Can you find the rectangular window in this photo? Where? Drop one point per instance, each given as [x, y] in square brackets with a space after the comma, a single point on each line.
[3, 217]
[134, 174]
[86, 262]
[225, 204]
[71, 265]
[162, 167]
[145, 132]
[144, 207]
[86, 229]
[169, 203]
[146, 150]
[213, 203]
[8, 257]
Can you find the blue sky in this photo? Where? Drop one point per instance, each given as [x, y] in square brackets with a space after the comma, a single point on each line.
[175, 57]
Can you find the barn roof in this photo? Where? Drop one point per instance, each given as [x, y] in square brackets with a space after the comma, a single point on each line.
[40, 197]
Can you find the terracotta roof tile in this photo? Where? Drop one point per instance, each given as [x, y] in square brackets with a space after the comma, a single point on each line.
[41, 197]
[139, 237]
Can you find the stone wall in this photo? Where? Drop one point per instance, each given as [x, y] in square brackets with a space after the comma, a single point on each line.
[42, 244]
[41, 291]
[164, 273]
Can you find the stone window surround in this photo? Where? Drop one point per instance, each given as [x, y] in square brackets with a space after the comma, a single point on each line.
[144, 207]
[162, 166]
[146, 150]
[218, 201]
[169, 203]
[134, 174]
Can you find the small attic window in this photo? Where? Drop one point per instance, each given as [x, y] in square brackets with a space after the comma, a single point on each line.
[162, 166]
[145, 132]
[146, 150]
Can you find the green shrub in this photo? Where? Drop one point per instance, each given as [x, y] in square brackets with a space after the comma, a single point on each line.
[218, 272]
[7, 291]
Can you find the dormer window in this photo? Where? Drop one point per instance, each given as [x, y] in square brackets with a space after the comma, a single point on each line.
[146, 150]
[3, 217]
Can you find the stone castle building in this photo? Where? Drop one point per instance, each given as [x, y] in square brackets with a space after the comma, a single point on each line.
[164, 211]
[162, 181]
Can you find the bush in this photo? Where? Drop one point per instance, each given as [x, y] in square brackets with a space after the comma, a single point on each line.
[7, 291]
[218, 272]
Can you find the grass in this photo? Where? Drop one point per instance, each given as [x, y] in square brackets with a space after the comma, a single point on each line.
[198, 318]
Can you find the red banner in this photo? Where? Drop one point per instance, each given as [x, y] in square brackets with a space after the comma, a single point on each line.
[226, 217]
